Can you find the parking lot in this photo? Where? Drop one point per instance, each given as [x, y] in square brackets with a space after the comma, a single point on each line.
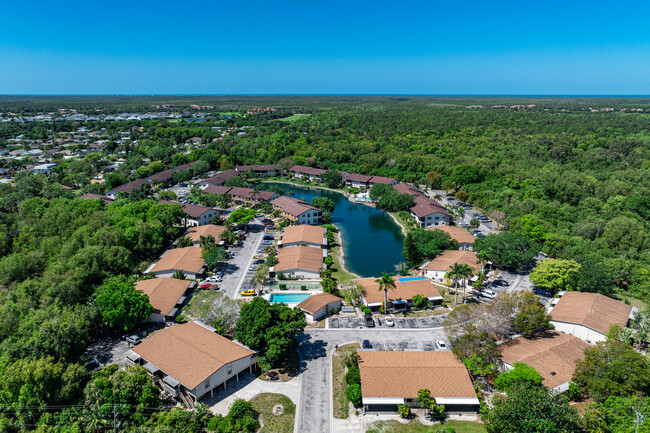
[400, 322]
[403, 345]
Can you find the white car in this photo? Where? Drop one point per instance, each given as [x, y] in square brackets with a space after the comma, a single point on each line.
[389, 321]
[213, 279]
[441, 345]
[487, 293]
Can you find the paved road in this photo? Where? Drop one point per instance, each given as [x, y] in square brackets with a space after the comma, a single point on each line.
[314, 409]
[236, 273]
[485, 228]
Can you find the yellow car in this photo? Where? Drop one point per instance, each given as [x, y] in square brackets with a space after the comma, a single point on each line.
[249, 292]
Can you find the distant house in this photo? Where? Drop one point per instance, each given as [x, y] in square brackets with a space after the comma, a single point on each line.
[318, 307]
[401, 296]
[127, 188]
[439, 266]
[391, 378]
[195, 215]
[186, 260]
[304, 263]
[166, 295]
[91, 196]
[588, 316]
[251, 196]
[45, 168]
[404, 188]
[217, 189]
[310, 236]
[359, 181]
[428, 212]
[553, 354]
[297, 211]
[204, 183]
[164, 177]
[309, 173]
[382, 180]
[191, 360]
[195, 233]
[260, 170]
[464, 238]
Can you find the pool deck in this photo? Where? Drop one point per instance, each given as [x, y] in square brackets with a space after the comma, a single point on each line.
[287, 292]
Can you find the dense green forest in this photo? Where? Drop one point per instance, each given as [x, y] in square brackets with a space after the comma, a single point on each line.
[571, 180]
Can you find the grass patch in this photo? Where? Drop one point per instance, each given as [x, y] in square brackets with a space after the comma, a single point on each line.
[295, 117]
[338, 274]
[201, 302]
[341, 402]
[264, 403]
[631, 301]
[415, 426]
[425, 313]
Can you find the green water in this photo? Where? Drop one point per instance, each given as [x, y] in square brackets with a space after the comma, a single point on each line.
[372, 241]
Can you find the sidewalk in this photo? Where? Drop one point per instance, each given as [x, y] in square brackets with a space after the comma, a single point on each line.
[247, 388]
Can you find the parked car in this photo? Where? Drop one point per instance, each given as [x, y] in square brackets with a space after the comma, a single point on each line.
[133, 340]
[269, 223]
[260, 250]
[212, 279]
[266, 243]
[441, 345]
[487, 293]
[389, 321]
[258, 261]
[370, 323]
[259, 215]
[501, 283]
[248, 292]
[206, 286]
[541, 292]
[269, 237]
[93, 365]
[365, 344]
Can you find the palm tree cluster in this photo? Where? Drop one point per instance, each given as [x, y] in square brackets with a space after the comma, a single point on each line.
[459, 271]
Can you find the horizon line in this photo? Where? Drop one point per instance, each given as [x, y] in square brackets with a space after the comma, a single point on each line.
[412, 95]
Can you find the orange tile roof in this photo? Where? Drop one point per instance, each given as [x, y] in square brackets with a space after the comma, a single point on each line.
[300, 257]
[553, 355]
[316, 302]
[402, 374]
[214, 230]
[163, 293]
[458, 233]
[593, 310]
[303, 233]
[403, 289]
[447, 258]
[190, 353]
[186, 259]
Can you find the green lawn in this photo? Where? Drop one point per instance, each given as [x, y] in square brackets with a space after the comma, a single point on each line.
[415, 426]
[294, 117]
[341, 402]
[264, 403]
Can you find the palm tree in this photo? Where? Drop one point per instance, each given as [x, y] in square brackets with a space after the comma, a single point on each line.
[454, 273]
[466, 273]
[386, 282]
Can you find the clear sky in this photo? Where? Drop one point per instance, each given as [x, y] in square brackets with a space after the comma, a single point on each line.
[325, 47]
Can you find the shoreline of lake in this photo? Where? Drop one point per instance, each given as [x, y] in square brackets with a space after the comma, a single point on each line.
[341, 255]
[404, 231]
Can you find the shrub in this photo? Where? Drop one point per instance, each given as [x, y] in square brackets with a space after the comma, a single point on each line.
[404, 410]
[281, 276]
[334, 311]
[241, 408]
[353, 376]
[303, 287]
[353, 393]
[283, 286]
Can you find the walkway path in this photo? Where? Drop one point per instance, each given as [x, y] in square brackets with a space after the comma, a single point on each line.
[247, 388]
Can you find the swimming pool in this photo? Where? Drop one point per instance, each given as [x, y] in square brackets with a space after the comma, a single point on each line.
[289, 298]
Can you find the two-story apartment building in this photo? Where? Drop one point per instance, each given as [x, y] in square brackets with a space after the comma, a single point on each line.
[297, 211]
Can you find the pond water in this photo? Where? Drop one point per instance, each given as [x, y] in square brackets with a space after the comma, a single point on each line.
[372, 241]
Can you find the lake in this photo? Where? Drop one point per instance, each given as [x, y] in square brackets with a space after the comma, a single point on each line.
[372, 241]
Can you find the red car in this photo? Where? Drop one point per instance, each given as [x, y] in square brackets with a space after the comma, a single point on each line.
[206, 285]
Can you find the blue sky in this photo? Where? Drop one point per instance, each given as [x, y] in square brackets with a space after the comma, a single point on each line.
[317, 47]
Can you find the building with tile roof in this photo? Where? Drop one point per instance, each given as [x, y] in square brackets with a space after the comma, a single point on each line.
[318, 307]
[166, 295]
[191, 360]
[311, 236]
[464, 238]
[401, 296]
[588, 316]
[186, 260]
[437, 268]
[392, 378]
[299, 262]
[553, 354]
[195, 233]
[297, 211]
